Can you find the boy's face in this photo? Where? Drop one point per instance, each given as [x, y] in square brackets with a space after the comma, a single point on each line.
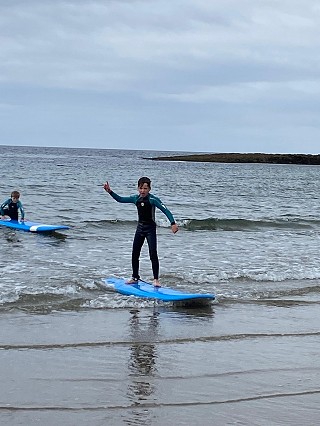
[144, 190]
[15, 199]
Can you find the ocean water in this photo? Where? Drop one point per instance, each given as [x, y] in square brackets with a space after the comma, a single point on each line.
[74, 352]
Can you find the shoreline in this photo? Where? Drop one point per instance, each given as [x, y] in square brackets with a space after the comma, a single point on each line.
[305, 159]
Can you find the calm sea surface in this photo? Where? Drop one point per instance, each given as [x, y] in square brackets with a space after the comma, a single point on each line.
[74, 353]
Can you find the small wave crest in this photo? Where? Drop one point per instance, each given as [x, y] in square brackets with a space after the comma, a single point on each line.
[46, 299]
[99, 224]
[109, 222]
[213, 224]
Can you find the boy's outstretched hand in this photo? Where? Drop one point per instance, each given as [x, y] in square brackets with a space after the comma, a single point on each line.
[174, 228]
[106, 187]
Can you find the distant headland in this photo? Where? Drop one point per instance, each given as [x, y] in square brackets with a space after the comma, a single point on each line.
[308, 159]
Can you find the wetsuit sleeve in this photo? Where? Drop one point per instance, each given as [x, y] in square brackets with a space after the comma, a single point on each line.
[132, 199]
[3, 205]
[20, 206]
[158, 203]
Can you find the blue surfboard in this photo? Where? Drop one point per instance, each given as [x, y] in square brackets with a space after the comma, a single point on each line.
[149, 291]
[31, 226]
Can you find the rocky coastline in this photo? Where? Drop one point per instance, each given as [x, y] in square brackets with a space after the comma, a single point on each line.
[306, 159]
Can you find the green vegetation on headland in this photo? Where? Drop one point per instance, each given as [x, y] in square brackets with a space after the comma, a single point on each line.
[309, 159]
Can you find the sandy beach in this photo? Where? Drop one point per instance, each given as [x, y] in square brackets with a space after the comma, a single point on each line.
[165, 365]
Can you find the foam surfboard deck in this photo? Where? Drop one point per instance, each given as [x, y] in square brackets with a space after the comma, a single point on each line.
[31, 226]
[147, 290]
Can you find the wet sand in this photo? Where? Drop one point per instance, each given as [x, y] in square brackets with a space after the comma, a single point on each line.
[224, 364]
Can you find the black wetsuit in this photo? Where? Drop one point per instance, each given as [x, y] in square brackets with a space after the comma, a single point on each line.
[146, 229]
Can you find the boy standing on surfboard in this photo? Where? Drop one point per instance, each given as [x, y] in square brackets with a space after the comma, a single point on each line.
[11, 206]
[146, 229]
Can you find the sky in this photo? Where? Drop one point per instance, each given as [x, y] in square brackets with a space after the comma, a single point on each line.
[164, 75]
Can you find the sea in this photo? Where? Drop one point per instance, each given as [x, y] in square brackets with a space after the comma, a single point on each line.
[73, 352]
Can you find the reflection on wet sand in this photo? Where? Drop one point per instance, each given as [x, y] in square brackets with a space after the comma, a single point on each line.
[142, 363]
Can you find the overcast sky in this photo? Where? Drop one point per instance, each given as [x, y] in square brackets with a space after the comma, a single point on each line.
[178, 75]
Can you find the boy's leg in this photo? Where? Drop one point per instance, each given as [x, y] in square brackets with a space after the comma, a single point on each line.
[136, 250]
[152, 243]
[5, 212]
[12, 214]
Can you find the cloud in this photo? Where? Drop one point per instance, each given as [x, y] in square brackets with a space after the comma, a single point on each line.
[125, 41]
[134, 61]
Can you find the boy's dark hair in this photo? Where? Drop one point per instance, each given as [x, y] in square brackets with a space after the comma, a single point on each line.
[15, 194]
[143, 180]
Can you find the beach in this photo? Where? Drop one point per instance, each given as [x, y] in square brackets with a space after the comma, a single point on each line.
[216, 365]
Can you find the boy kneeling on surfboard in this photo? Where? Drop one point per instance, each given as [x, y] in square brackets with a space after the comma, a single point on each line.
[146, 229]
[11, 207]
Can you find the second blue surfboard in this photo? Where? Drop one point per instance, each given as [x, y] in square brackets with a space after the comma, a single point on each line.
[31, 226]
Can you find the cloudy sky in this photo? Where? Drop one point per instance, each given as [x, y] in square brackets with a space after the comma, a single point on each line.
[181, 75]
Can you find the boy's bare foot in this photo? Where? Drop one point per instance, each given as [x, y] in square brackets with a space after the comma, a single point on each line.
[156, 283]
[132, 281]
